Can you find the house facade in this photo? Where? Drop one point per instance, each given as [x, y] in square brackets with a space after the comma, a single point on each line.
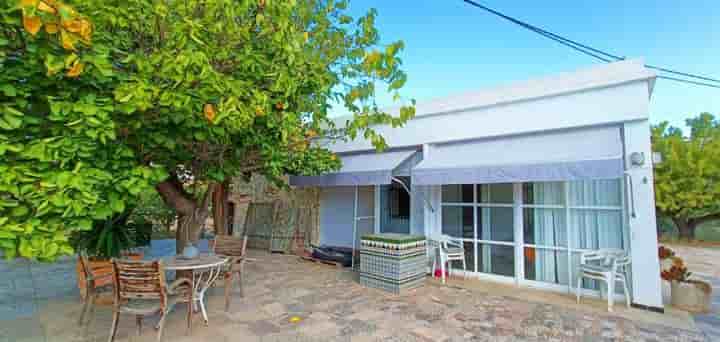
[528, 175]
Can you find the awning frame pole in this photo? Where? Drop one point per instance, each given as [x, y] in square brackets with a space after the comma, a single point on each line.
[404, 186]
[355, 219]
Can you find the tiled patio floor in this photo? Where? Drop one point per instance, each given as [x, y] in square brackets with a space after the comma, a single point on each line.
[333, 307]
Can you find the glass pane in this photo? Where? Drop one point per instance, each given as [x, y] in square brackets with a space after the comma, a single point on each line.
[495, 224]
[469, 258]
[496, 259]
[602, 192]
[495, 193]
[544, 227]
[546, 265]
[593, 229]
[457, 221]
[457, 193]
[548, 193]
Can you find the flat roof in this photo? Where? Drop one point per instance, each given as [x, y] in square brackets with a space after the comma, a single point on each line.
[595, 77]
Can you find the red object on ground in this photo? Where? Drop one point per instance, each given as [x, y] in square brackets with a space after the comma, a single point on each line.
[438, 273]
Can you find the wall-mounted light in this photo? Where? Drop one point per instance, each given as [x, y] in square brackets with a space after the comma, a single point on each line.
[637, 158]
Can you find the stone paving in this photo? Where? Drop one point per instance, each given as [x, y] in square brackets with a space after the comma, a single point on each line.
[331, 306]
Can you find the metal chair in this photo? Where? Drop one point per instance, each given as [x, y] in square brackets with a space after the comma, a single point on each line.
[607, 265]
[448, 249]
[234, 249]
[141, 290]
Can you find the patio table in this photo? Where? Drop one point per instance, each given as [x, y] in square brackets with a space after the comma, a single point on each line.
[205, 269]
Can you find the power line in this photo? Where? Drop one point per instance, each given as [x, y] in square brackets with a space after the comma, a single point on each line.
[593, 52]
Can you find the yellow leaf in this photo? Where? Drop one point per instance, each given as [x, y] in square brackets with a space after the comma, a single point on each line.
[74, 26]
[209, 111]
[85, 30]
[32, 24]
[68, 42]
[44, 7]
[307, 36]
[28, 3]
[76, 69]
[51, 28]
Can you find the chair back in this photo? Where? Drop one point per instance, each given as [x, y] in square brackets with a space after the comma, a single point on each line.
[448, 241]
[86, 269]
[613, 258]
[135, 279]
[230, 246]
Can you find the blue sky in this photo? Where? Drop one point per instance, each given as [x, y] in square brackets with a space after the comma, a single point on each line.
[452, 47]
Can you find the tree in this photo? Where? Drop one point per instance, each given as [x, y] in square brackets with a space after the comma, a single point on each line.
[60, 166]
[190, 94]
[687, 182]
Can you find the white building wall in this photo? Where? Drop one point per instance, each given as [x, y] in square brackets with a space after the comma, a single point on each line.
[646, 283]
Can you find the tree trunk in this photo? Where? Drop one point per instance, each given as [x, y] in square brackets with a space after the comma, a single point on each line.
[192, 212]
[686, 229]
[220, 208]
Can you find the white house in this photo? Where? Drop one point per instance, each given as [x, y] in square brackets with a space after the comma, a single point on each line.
[528, 175]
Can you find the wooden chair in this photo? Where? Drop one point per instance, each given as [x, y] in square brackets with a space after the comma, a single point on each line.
[141, 290]
[97, 281]
[234, 249]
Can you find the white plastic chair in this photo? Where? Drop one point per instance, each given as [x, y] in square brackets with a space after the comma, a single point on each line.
[448, 249]
[606, 265]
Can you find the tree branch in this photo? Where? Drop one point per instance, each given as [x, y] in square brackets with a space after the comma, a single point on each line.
[700, 220]
[175, 196]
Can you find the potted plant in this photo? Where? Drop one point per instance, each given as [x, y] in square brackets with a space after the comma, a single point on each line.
[685, 293]
[113, 238]
[665, 254]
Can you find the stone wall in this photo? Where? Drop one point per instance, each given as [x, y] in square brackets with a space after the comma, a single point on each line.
[258, 190]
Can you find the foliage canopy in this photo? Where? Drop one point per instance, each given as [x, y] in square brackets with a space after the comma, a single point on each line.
[687, 182]
[103, 100]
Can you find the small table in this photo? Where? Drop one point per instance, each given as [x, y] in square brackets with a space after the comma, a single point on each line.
[205, 270]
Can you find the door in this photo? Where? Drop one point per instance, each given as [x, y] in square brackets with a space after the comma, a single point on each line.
[395, 207]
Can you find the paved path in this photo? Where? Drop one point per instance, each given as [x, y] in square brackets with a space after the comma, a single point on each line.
[331, 306]
[710, 323]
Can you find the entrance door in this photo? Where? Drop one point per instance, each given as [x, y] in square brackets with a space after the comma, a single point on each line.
[395, 207]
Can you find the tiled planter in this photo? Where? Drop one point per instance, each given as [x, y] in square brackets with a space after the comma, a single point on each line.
[392, 262]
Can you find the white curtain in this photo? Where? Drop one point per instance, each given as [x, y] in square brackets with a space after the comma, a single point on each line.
[602, 226]
[550, 231]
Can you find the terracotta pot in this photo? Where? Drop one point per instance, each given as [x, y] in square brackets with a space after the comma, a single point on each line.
[100, 267]
[693, 295]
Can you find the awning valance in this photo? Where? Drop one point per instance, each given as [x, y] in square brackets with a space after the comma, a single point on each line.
[368, 168]
[588, 153]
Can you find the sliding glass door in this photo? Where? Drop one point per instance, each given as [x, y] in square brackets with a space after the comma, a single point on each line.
[482, 216]
[546, 224]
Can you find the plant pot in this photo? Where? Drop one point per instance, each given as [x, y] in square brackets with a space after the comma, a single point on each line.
[100, 267]
[693, 295]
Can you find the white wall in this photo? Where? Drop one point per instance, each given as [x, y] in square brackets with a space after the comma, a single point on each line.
[336, 215]
[646, 283]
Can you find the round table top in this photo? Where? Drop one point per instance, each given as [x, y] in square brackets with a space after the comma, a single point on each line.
[179, 263]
